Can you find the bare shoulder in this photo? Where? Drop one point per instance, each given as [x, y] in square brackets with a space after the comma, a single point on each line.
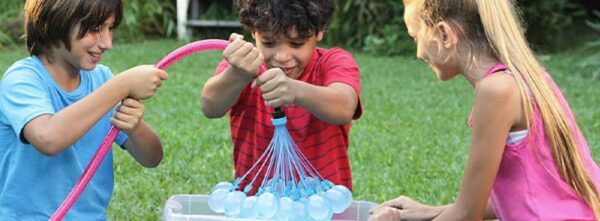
[499, 94]
[498, 87]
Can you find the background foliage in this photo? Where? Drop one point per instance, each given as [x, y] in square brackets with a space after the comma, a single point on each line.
[593, 60]
[147, 19]
[11, 22]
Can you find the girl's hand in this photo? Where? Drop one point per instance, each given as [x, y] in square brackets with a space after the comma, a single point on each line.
[243, 57]
[277, 89]
[142, 81]
[128, 116]
[405, 208]
[385, 214]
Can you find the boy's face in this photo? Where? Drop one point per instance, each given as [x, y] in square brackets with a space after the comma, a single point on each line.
[86, 52]
[290, 54]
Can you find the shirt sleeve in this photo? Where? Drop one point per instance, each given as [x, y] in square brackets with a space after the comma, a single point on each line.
[340, 67]
[23, 97]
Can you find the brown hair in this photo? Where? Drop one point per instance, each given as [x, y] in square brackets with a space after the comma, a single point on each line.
[278, 17]
[495, 28]
[50, 22]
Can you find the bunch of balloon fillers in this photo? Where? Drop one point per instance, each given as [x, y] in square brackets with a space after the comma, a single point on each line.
[293, 189]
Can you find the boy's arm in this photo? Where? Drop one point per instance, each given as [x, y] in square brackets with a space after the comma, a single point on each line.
[144, 145]
[51, 134]
[221, 91]
[334, 104]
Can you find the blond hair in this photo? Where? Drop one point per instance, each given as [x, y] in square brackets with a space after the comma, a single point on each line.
[494, 27]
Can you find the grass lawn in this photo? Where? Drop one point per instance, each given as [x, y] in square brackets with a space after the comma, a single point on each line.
[412, 138]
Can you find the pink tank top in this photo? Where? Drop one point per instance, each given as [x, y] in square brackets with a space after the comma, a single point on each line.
[528, 185]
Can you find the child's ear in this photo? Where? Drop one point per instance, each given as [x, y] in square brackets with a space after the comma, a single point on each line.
[448, 35]
[319, 36]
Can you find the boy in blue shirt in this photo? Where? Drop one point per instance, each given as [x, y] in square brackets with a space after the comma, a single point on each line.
[57, 105]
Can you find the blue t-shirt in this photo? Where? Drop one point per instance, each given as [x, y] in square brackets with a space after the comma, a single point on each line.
[33, 185]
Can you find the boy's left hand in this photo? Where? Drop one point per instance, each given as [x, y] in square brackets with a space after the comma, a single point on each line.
[128, 116]
[277, 89]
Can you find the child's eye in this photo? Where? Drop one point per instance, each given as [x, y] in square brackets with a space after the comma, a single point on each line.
[95, 29]
[267, 43]
[296, 44]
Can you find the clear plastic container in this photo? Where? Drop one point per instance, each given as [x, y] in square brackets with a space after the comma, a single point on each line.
[186, 207]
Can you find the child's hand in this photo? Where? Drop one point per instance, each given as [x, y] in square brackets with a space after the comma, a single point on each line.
[243, 56]
[385, 214]
[142, 81]
[129, 114]
[277, 89]
[406, 208]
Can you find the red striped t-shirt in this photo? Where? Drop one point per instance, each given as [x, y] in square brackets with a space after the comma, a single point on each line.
[324, 144]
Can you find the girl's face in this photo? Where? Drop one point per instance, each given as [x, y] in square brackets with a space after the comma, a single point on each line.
[290, 54]
[87, 51]
[438, 58]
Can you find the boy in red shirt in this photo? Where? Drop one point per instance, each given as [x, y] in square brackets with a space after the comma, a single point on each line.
[318, 89]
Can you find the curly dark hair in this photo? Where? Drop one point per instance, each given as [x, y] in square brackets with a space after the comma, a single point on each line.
[279, 17]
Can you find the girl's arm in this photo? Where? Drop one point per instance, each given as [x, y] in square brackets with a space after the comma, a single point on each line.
[51, 134]
[405, 208]
[497, 108]
[489, 212]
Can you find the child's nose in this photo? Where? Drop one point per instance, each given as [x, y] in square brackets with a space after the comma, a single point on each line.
[105, 40]
[282, 56]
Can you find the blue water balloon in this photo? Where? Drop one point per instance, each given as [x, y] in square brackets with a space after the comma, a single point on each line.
[267, 206]
[286, 208]
[249, 207]
[233, 203]
[317, 207]
[337, 201]
[215, 201]
[346, 192]
[222, 185]
[299, 211]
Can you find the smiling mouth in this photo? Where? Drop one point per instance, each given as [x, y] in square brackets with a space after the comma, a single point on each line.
[95, 56]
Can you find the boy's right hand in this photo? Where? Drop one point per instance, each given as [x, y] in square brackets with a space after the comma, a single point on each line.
[142, 81]
[243, 56]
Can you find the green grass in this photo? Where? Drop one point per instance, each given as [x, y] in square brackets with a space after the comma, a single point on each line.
[412, 139]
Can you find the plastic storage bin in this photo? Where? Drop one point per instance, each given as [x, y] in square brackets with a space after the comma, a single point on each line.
[185, 207]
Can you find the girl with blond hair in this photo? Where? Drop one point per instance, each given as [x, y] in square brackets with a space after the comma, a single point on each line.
[528, 159]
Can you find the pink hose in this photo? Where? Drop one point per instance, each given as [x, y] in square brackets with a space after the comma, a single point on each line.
[90, 170]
